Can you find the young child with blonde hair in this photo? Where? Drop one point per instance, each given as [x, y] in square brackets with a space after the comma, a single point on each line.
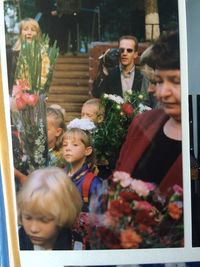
[55, 129]
[79, 155]
[93, 110]
[48, 205]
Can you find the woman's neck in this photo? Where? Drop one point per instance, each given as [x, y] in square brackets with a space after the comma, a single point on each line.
[173, 129]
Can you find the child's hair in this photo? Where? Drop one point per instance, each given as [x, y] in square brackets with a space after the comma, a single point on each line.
[59, 122]
[85, 138]
[23, 23]
[98, 104]
[56, 106]
[50, 192]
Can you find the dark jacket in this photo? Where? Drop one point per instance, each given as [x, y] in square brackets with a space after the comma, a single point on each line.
[112, 83]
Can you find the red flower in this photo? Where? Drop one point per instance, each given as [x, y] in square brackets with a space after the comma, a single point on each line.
[145, 217]
[129, 196]
[119, 208]
[109, 238]
[128, 109]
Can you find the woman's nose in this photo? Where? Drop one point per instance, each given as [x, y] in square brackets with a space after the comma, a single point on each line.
[164, 90]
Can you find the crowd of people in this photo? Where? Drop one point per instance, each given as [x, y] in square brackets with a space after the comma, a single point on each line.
[151, 152]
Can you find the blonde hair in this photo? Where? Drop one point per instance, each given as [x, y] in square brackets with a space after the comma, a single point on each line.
[85, 138]
[59, 122]
[23, 23]
[50, 192]
[96, 102]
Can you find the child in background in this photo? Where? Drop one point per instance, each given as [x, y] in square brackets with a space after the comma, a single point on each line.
[56, 128]
[79, 154]
[48, 204]
[93, 110]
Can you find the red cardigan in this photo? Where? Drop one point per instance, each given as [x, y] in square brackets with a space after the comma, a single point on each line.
[141, 132]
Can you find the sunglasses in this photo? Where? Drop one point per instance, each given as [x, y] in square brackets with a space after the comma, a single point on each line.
[122, 50]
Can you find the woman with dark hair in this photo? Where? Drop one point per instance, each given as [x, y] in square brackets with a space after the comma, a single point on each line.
[153, 148]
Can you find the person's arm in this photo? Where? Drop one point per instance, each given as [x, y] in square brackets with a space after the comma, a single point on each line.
[20, 176]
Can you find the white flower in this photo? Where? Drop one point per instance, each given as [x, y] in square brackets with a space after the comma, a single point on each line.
[143, 108]
[83, 124]
[118, 99]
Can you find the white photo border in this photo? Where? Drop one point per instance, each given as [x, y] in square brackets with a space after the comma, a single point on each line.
[110, 257]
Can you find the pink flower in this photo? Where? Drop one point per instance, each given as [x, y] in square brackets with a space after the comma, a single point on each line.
[143, 205]
[33, 99]
[123, 177]
[30, 99]
[177, 189]
[20, 103]
[140, 187]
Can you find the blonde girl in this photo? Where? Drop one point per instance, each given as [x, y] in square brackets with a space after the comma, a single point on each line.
[79, 156]
[48, 204]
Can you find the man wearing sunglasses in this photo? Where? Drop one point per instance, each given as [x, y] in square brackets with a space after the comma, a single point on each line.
[125, 76]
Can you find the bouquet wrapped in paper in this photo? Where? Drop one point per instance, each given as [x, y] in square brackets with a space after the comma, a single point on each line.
[133, 214]
[32, 79]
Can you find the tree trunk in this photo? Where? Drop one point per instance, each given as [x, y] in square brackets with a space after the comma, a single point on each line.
[152, 26]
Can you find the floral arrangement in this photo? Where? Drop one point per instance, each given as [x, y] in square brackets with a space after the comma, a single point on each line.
[119, 113]
[83, 124]
[32, 79]
[134, 214]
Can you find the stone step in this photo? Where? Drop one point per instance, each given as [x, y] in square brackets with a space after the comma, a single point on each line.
[71, 74]
[71, 67]
[69, 81]
[83, 59]
[62, 89]
[65, 98]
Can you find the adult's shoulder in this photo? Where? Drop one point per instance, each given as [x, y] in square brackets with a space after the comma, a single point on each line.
[150, 118]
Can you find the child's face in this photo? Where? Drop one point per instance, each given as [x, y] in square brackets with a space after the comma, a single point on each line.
[28, 32]
[75, 151]
[42, 230]
[53, 132]
[90, 112]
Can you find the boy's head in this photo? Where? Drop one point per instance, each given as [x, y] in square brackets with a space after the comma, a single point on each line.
[50, 193]
[55, 127]
[93, 110]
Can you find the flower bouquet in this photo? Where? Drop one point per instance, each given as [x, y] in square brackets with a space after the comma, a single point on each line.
[134, 214]
[119, 112]
[32, 79]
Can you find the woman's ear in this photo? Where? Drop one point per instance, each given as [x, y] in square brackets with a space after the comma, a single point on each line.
[88, 151]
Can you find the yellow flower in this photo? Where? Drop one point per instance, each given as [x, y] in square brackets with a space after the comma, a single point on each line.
[45, 68]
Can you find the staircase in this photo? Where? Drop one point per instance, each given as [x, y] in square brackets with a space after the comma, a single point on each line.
[69, 86]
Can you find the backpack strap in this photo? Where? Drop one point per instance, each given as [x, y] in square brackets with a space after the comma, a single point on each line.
[86, 185]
